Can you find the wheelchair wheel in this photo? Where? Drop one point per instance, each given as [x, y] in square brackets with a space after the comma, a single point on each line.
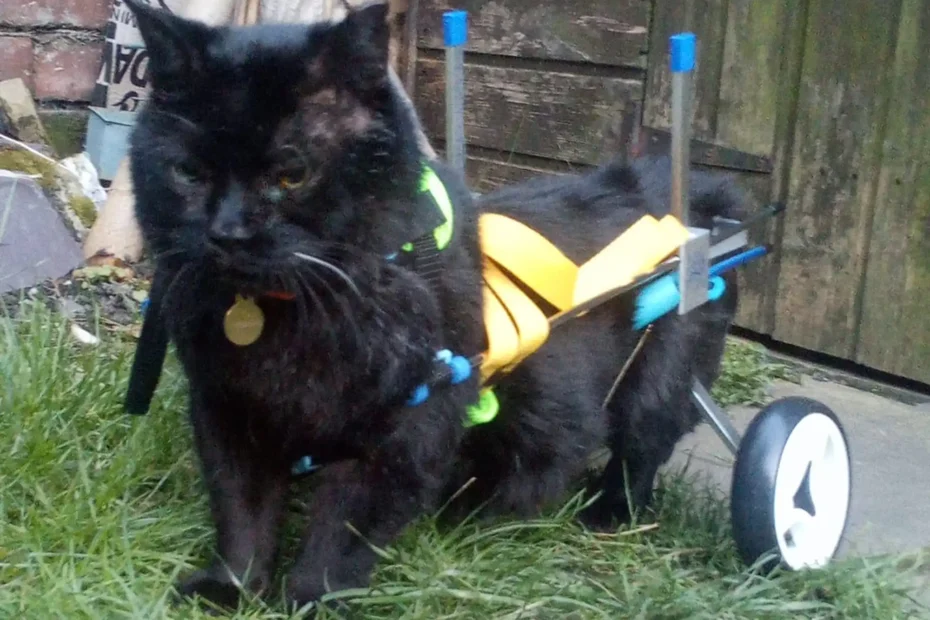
[791, 485]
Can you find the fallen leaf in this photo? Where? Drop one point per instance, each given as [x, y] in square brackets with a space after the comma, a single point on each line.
[101, 258]
[83, 336]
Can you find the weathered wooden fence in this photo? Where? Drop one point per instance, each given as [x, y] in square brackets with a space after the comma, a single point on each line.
[832, 97]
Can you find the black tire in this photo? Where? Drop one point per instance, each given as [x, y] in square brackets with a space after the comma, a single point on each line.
[754, 503]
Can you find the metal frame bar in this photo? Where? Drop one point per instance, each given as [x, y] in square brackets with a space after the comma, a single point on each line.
[455, 32]
[681, 143]
[694, 253]
[715, 416]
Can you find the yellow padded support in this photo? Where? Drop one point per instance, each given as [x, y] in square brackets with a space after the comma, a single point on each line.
[516, 327]
[634, 253]
[503, 338]
[530, 257]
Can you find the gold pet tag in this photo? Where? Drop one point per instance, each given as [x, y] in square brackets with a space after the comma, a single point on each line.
[244, 322]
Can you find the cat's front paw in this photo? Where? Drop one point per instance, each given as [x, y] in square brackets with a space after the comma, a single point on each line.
[301, 590]
[212, 586]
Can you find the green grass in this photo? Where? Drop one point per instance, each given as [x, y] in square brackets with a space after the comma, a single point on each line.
[747, 372]
[101, 512]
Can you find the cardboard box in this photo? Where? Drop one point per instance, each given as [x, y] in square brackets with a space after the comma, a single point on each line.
[122, 83]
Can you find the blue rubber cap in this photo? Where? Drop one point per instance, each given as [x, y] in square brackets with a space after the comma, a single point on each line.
[145, 305]
[419, 396]
[455, 28]
[461, 369]
[683, 48]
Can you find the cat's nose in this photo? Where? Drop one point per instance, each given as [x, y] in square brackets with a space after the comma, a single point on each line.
[230, 225]
[226, 232]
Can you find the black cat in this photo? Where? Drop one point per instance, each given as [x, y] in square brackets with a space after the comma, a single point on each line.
[276, 178]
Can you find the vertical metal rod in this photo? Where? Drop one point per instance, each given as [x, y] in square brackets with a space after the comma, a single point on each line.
[716, 416]
[682, 54]
[455, 32]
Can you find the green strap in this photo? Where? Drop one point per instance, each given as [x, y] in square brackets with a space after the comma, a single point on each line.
[432, 184]
[485, 410]
[487, 407]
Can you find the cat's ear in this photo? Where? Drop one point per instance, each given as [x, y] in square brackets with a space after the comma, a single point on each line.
[366, 32]
[173, 44]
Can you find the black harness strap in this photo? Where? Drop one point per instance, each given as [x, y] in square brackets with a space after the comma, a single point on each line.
[150, 351]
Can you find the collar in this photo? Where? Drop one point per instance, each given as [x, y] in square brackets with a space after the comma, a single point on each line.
[280, 295]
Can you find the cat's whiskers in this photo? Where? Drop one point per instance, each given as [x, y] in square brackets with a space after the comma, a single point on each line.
[168, 254]
[293, 283]
[318, 304]
[343, 304]
[178, 275]
[332, 268]
[173, 116]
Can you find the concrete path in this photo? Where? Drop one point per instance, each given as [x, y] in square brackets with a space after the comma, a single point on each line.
[889, 444]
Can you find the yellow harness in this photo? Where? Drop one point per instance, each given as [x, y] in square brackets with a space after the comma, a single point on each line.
[516, 326]
[518, 258]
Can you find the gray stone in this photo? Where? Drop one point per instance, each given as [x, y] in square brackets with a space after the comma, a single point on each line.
[20, 110]
[35, 245]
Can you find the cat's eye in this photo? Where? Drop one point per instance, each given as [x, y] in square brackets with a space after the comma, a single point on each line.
[187, 173]
[292, 178]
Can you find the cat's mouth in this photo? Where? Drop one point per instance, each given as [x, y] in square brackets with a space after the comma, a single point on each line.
[245, 272]
[260, 269]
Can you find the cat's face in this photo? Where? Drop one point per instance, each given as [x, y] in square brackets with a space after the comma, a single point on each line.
[258, 142]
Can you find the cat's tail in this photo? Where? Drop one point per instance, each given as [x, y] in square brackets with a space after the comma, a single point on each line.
[712, 195]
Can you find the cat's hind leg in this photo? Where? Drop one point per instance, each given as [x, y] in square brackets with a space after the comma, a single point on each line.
[536, 453]
[652, 411]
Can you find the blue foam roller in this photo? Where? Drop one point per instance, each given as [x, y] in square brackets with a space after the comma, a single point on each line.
[655, 300]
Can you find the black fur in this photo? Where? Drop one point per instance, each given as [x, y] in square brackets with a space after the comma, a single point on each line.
[552, 418]
[238, 114]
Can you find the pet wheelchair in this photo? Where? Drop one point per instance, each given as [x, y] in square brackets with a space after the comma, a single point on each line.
[791, 485]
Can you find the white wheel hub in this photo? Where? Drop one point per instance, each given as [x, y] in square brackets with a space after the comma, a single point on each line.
[811, 493]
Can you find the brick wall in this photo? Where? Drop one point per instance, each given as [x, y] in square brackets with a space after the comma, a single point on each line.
[56, 47]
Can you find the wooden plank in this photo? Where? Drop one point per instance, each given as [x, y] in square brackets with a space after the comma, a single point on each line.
[486, 171]
[752, 55]
[707, 19]
[789, 80]
[757, 43]
[397, 15]
[753, 283]
[895, 332]
[486, 174]
[561, 116]
[835, 161]
[608, 32]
